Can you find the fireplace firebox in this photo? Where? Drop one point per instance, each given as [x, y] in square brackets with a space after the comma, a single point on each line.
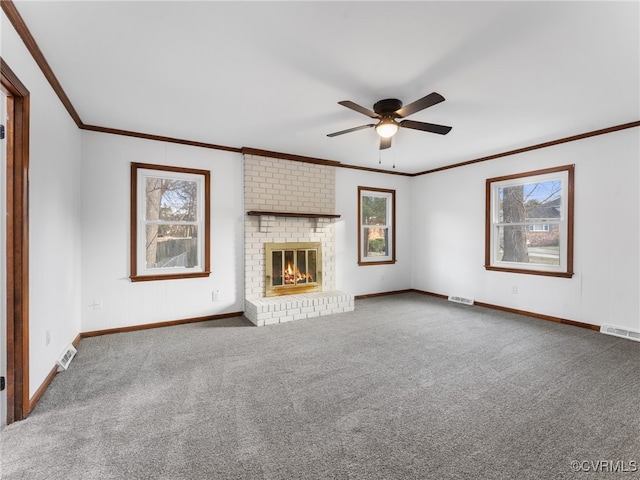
[293, 267]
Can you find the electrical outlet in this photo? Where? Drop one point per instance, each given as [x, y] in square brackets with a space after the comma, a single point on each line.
[514, 289]
[47, 338]
[215, 296]
[97, 304]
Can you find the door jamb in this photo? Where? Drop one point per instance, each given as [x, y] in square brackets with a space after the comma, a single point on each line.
[17, 261]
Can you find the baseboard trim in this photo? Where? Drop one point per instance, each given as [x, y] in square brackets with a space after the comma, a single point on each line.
[382, 294]
[33, 401]
[526, 313]
[170, 323]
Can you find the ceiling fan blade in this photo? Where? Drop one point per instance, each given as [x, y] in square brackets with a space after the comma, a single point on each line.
[349, 130]
[359, 109]
[421, 104]
[385, 142]
[425, 127]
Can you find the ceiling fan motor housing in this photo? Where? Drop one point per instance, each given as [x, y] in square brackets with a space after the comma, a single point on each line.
[387, 106]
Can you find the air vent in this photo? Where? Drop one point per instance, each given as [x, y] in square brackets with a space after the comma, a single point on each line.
[620, 332]
[65, 357]
[466, 301]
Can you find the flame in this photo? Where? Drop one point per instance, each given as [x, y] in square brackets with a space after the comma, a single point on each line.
[291, 277]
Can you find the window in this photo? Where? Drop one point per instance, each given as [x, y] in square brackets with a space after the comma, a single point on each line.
[529, 222]
[376, 232]
[169, 222]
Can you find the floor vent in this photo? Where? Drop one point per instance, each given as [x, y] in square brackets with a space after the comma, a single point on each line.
[620, 332]
[65, 357]
[466, 301]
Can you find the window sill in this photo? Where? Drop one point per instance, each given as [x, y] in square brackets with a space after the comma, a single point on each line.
[170, 276]
[545, 273]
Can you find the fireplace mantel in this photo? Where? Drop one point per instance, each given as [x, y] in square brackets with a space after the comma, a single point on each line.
[267, 219]
[260, 213]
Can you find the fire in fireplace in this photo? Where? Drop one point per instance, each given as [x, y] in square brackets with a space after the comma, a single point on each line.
[293, 268]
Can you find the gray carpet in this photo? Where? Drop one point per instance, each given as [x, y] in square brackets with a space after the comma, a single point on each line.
[405, 387]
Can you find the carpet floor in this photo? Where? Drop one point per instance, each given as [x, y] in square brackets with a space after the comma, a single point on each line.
[405, 387]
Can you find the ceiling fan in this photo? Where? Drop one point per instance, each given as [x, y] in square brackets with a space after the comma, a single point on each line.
[388, 111]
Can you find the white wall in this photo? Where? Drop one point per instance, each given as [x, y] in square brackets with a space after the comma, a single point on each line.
[105, 236]
[362, 280]
[54, 214]
[449, 212]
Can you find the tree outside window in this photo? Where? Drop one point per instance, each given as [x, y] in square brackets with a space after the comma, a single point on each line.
[529, 222]
[170, 222]
[376, 231]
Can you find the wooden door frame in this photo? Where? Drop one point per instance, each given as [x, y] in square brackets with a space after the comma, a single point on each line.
[17, 254]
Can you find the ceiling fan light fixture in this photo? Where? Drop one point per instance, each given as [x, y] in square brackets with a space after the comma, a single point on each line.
[387, 127]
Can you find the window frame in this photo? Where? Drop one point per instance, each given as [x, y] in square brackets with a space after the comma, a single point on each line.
[390, 224]
[564, 173]
[139, 272]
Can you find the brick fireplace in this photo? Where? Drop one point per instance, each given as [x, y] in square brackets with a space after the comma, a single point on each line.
[285, 208]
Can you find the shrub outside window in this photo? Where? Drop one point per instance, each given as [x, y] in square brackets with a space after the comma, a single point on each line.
[169, 222]
[529, 222]
[376, 231]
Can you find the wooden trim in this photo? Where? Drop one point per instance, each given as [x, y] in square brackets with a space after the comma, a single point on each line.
[159, 138]
[259, 213]
[288, 156]
[382, 294]
[171, 276]
[17, 244]
[572, 138]
[376, 170]
[47, 381]
[133, 227]
[539, 316]
[393, 226]
[570, 169]
[170, 323]
[23, 31]
[43, 387]
[543, 273]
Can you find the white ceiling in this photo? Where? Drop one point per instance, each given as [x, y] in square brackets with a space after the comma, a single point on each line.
[268, 75]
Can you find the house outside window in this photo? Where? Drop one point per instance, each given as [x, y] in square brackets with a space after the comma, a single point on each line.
[376, 226]
[529, 222]
[169, 222]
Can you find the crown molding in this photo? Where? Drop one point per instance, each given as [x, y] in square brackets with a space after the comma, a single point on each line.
[572, 138]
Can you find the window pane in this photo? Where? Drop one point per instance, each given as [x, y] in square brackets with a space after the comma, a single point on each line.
[530, 202]
[171, 200]
[519, 244]
[374, 210]
[376, 242]
[171, 246]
